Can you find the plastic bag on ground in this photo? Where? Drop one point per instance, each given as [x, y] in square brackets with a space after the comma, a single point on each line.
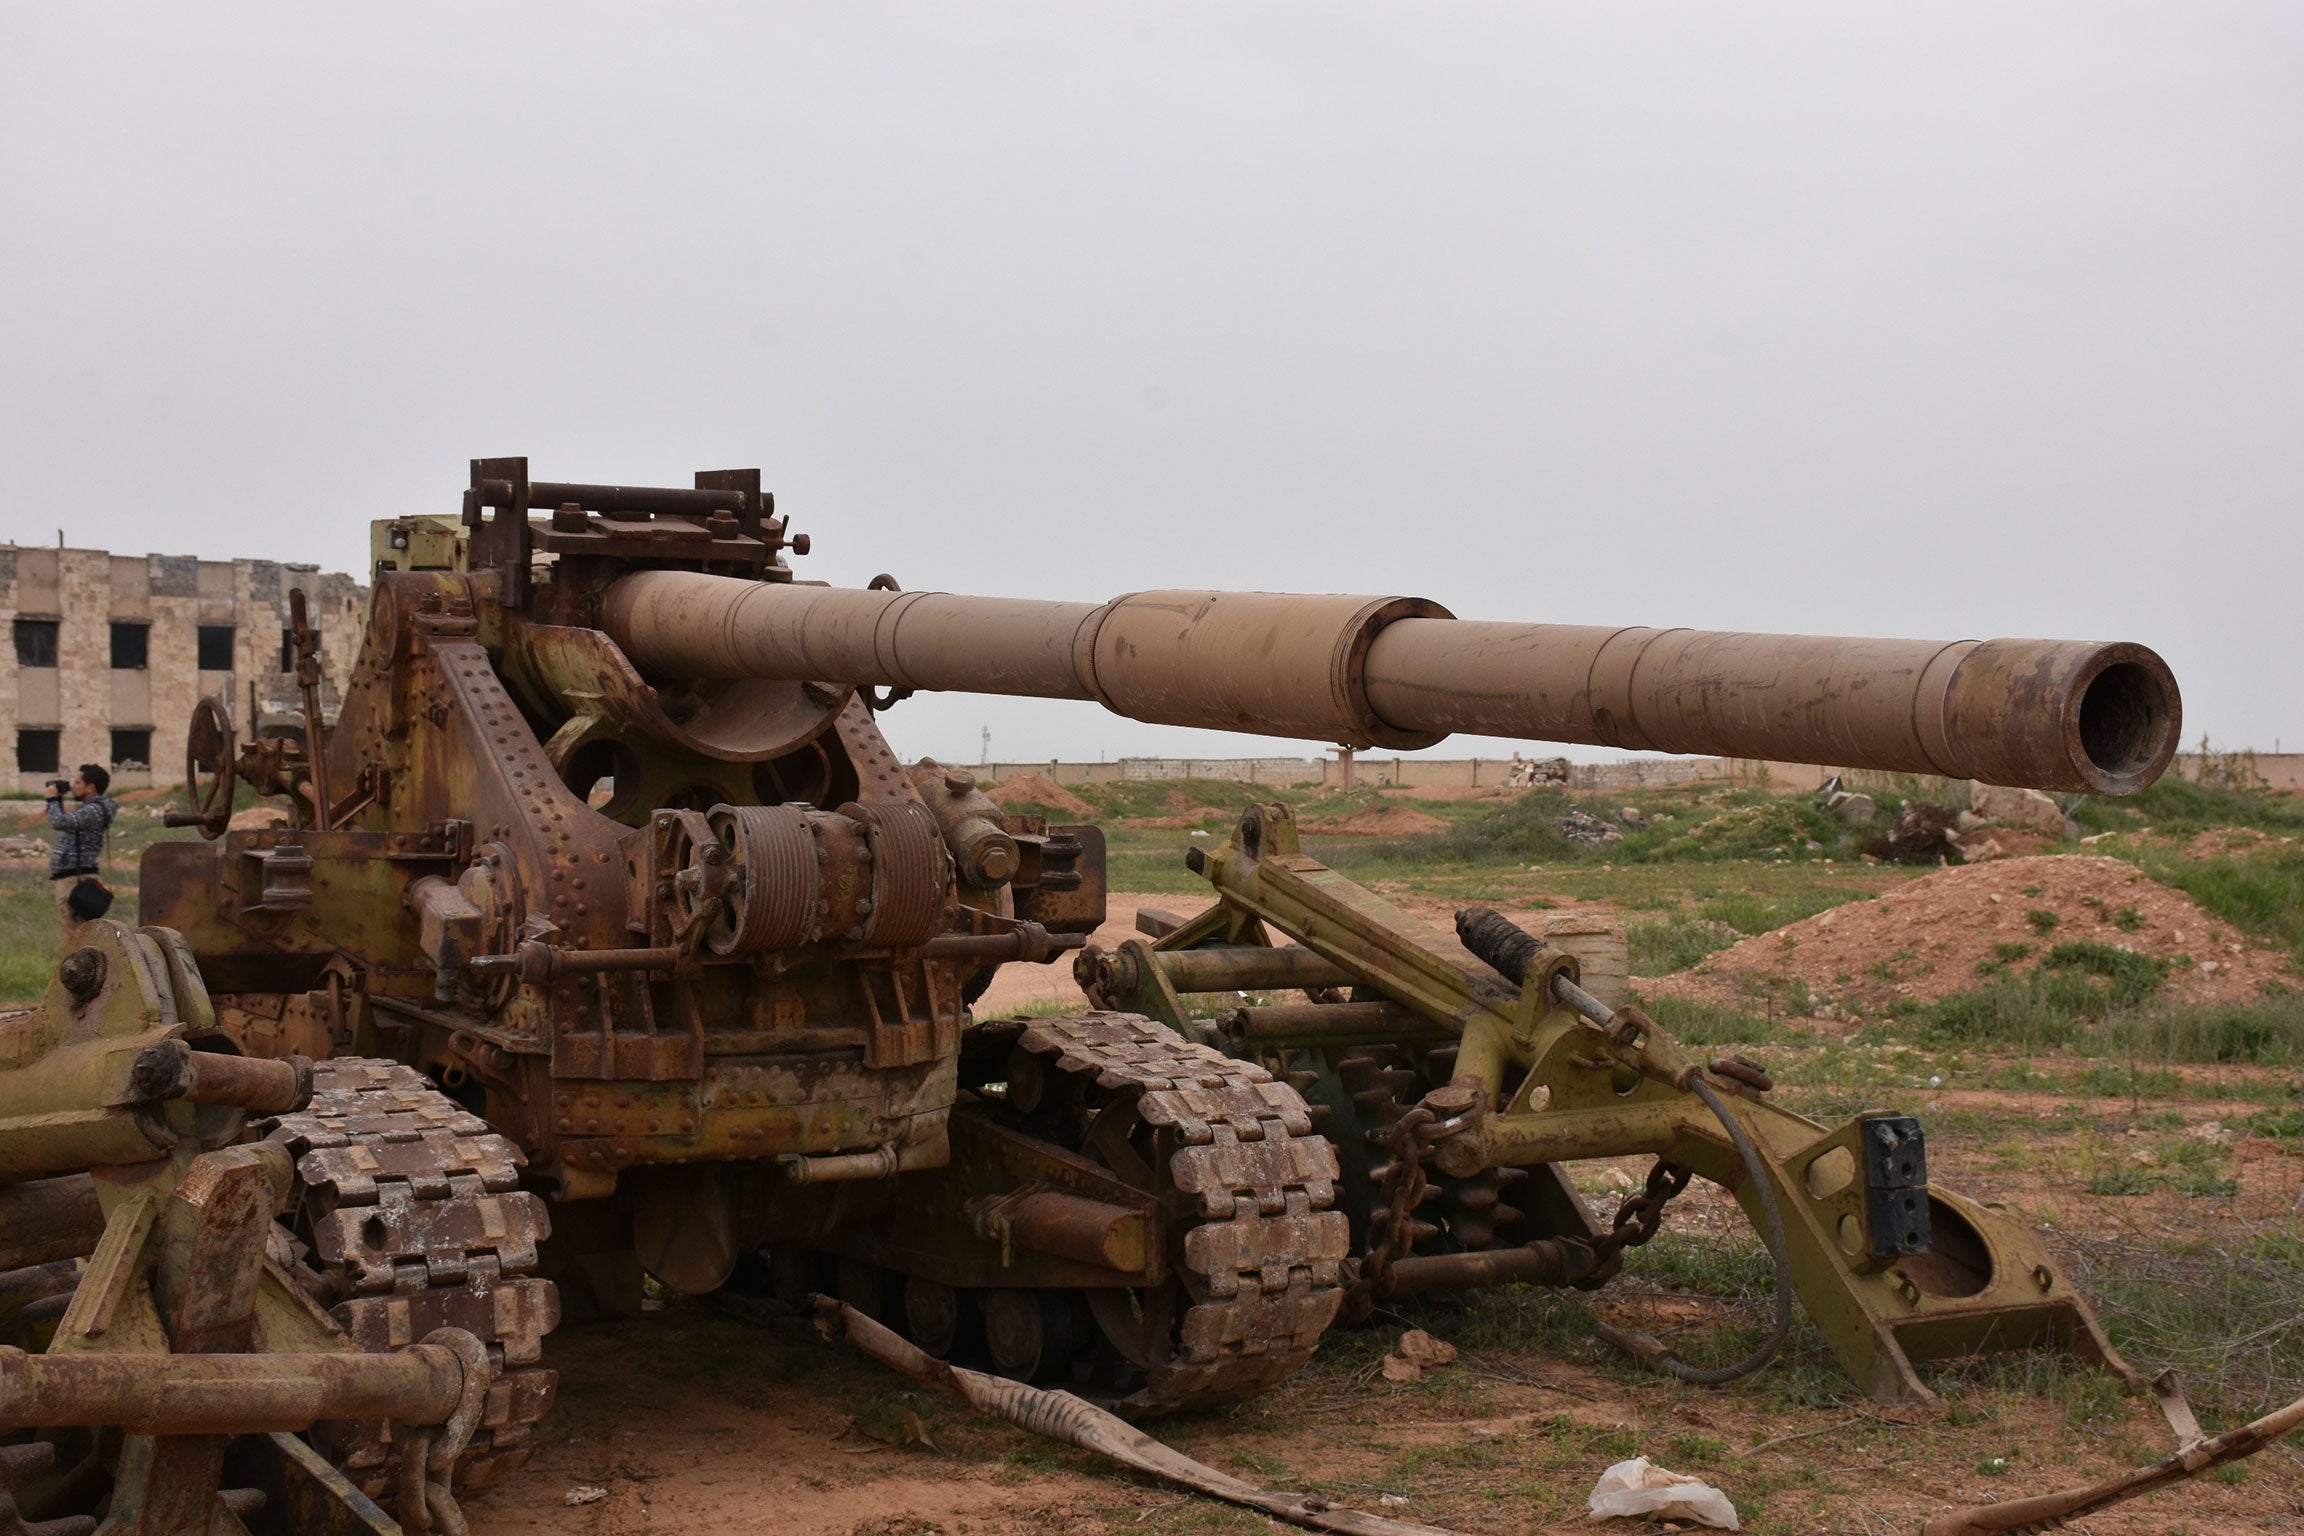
[1640, 1490]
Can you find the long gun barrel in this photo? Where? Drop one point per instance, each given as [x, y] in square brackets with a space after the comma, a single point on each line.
[1399, 672]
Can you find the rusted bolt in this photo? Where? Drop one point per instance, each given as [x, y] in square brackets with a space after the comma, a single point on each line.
[82, 973]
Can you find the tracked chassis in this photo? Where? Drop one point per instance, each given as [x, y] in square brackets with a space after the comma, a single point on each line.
[412, 1220]
[1233, 1192]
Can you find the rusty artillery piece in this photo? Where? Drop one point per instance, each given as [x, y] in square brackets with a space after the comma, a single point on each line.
[607, 843]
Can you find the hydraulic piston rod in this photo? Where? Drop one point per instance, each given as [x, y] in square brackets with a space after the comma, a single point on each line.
[1399, 672]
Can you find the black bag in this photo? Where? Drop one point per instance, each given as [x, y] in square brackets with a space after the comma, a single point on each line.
[89, 898]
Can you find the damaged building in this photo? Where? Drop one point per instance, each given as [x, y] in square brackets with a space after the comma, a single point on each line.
[111, 652]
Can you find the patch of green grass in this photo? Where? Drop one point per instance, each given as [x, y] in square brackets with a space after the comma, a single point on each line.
[1660, 947]
[1697, 1023]
[2266, 1032]
[1711, 826]
[2179, 806]
[2078, 983]
[2284, 1125]
[2261, 894]
[2130, 977]
[2042, 920]
[1750, 913]
[2125, 1080]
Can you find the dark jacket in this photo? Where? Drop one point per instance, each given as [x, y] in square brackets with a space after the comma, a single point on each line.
[81, 848]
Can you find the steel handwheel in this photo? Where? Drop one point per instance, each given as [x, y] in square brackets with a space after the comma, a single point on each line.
[208, 770]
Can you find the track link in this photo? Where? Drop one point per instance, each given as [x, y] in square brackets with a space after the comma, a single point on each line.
[1262, 1255]
[415, 1221]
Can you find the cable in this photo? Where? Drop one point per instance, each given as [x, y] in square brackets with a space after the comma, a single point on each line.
[1772, 1228]
[1773, 1231]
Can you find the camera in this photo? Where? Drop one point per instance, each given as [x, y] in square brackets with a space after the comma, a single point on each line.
[60, 788]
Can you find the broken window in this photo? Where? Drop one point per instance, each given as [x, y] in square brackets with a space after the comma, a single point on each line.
[215, 647]
[132, 748]
[38, 751]
[35, 643]
[131, 645]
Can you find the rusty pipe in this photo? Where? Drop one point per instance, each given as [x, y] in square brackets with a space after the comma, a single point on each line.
[226, 1394]
[539, 963]
[1322, 1024]
[171, 1069]
[1537, 1263]
[1029, 942]
[1249, 968]
[2098, 717]
[1069, 1226]
[44, 1220]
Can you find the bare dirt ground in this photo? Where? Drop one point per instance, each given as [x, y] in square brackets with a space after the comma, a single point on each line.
[687, 1421]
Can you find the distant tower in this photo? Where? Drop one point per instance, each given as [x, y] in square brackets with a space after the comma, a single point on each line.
[984, 748]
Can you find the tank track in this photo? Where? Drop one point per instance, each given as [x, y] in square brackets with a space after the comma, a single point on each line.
[411, 1208]
[1262, 1262]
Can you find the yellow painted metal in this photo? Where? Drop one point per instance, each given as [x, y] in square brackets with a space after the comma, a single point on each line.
[1569, 1092]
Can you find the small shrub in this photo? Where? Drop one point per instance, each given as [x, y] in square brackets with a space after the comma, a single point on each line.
[2042, 920]
[2283, 1125]
[2127, 919]
[2132, 976]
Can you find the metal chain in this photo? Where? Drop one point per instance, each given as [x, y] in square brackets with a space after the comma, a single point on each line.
[1402, 1187]
[1636, 1220]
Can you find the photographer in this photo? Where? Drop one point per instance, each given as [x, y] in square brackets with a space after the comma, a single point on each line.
[73, 869]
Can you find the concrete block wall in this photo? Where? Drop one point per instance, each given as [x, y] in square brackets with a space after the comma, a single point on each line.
[84, 698]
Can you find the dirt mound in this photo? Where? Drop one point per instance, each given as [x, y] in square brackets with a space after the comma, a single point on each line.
[1385, 821]
[1022, 789]
[1925, 939]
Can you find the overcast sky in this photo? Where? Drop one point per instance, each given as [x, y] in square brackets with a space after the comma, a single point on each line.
[1939, 321]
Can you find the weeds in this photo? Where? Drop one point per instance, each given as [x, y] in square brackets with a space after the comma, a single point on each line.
[1673, 944]
[1696, 1023]
[2224, 1312]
